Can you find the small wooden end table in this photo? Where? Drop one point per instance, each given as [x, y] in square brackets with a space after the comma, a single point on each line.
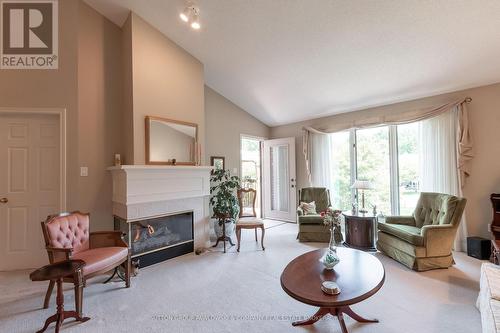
[359, 276]
[56, 272]
[224, 238]
[360, 231]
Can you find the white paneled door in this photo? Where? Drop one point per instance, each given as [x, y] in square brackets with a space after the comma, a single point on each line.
[29, 186]
[279, 179]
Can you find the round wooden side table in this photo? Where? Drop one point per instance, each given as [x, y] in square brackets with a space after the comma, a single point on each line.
[56, 272]
[359, 276]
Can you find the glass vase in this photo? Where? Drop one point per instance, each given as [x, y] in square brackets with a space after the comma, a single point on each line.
[330, 258]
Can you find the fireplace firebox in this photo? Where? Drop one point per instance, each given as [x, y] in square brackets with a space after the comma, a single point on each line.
[155, 239]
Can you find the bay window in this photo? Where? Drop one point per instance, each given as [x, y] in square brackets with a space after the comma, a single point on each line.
[340, 186]
[373, 164]
[387, 156]
[408, 163]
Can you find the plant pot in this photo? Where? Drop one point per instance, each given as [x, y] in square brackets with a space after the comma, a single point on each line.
[218, 228]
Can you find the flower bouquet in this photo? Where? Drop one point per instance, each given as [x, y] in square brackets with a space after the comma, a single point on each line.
[331, 218]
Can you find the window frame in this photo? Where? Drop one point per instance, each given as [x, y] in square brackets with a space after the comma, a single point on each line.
[393, 165]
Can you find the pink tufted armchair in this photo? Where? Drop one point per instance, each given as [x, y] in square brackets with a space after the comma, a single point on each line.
[67, 236]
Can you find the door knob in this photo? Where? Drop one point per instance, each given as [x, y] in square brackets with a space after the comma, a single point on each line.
[4, 200]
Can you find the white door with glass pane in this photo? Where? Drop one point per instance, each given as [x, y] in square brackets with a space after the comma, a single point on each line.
[29, 186]
[280, 179]
[251, 173]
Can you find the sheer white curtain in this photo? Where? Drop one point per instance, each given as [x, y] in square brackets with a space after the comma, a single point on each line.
[439, 163]
[320, 159]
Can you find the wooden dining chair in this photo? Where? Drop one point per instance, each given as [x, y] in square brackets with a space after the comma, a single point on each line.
[248, 220]
[246, 200]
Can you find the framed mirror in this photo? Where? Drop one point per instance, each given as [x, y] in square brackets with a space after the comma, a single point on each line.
[171, 142]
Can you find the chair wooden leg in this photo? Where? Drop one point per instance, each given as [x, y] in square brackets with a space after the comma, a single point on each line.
[78, 299]
[238, 238]
[79, 282]
[262, 239]
[127, 272]
[48, 294]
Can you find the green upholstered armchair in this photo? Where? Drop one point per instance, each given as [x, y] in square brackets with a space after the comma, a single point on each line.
[311, 227]
[424, 240]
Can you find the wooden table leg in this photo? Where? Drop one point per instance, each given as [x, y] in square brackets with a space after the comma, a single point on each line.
[49, 320]
[348, 311]
[60, 305]
[61, 314]
[311, 320]
[340, 317]
[336, 312]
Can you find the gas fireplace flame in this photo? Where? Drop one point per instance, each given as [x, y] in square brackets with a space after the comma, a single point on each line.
[151, 231]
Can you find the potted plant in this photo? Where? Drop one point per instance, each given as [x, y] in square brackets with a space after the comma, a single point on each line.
[224, 201]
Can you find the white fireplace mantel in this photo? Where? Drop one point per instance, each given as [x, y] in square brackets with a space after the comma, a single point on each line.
[145, 191]
[133, 184]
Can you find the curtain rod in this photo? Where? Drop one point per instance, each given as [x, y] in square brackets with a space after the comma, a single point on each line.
[468, 99]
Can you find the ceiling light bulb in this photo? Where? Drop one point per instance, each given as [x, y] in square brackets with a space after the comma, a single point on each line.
[185, 15]
[196, 23]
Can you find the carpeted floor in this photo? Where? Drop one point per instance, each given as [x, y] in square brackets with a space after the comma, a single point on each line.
[240, 292]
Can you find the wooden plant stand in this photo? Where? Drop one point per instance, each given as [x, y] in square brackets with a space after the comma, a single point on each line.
[224, 238]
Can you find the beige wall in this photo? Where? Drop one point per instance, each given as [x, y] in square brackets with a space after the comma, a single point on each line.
[52, 89]
[167, 82]
[88, 85]
[100, 96]
[225, 122]
[128, 98]
[485, 123]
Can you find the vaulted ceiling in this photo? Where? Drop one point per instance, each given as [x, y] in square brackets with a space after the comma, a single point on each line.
[289, 60]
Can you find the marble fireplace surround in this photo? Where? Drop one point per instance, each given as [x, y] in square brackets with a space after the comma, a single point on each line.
[147, 191]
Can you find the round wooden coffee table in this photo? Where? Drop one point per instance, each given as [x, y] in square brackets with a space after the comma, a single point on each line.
[359, 276]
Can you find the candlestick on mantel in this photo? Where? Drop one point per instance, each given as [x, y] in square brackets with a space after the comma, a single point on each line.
[198, 154]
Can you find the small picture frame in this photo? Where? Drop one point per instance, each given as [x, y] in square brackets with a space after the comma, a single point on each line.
[218, 162]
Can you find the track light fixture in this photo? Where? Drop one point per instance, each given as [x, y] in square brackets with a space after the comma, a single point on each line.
[195, 24]
[185, 14]
[191, 15]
